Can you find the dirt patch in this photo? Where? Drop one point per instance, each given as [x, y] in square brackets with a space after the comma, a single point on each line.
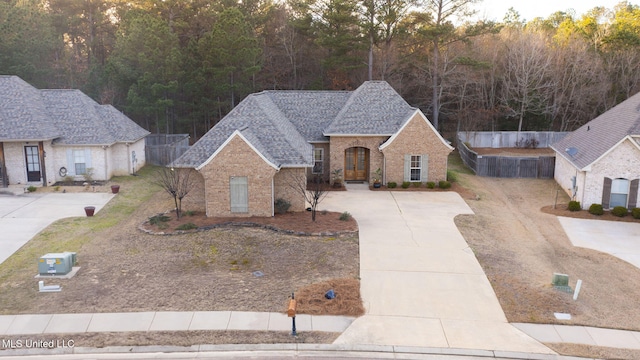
[515, 151]
[312, 300]
[520, 247]
[597, 352]
[299, 223]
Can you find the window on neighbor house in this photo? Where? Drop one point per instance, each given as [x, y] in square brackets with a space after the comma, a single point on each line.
[318, 157]
[79, 162]
[416, 168]
[619, 193]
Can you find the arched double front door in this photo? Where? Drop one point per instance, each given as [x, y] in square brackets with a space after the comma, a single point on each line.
[356, 164]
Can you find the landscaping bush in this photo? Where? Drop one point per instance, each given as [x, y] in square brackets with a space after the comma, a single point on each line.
[444, 184]
[392, 185]
[416, 184]
[282, 205]
[188, 213]
[452, 176]
[574, 206]
[431, 184]
[345, 216]
[156, 220]
[619, 211]
[187, 226]
[596, 209]
[635, 212]
[32, 188]
[406, 184]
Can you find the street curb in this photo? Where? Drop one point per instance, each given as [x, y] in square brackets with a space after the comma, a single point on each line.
[381, 351]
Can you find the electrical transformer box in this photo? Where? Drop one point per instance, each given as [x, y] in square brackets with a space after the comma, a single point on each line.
[56, 263]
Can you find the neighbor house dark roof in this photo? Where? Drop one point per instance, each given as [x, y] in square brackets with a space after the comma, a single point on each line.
[588, 143]
[283, 123]
[65, 116]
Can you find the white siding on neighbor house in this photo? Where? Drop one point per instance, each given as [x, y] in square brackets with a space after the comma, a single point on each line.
[563, 173]
[120, 162]
[15, 162]
[621, 162]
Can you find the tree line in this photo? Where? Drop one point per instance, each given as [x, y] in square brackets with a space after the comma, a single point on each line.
[178, 66]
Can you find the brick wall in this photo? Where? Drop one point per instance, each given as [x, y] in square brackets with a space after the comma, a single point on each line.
[283, 182]
[195, 199]
[338, 144]
[238, 159]
[623, 162]
[417, 138]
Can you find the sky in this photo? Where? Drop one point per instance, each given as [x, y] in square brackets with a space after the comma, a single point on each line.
[530, 9]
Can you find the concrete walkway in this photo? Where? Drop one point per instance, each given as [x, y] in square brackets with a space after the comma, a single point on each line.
[620, 239]
[420, 281]
[166, 321]
[25, 215]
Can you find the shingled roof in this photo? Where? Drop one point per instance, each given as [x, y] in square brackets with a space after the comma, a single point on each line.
[598, 136]
[283, 123]
[65, 116]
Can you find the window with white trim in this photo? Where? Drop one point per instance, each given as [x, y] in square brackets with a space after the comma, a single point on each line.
[416, 168]
[619, 193]
[79, 162]
[318, 158]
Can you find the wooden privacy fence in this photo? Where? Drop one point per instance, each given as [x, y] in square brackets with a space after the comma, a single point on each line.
[507, 166]
[162, 149]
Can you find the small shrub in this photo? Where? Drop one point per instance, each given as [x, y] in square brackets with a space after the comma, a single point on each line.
[68, 179]
[345, 216]
[32, 188]
[416, 184]
[431, 184]
[596, 209]
[574, 206]
[158, 219]
[56, 188]
[282, 206]
[187, 226]
[452, 176]
[88, 175]
[406, 184]
[392, 185]
[635, 212]
[189, 213]
[444, 184]
[619, 211]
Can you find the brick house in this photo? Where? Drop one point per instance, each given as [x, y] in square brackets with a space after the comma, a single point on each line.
[46, 135]
[599, 163]
[273, 138]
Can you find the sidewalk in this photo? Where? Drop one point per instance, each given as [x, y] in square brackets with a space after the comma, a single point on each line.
[166, 321]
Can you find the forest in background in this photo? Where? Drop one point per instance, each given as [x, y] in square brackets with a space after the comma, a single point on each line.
[178, 66]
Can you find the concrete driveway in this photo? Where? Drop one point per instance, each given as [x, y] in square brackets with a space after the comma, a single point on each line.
[24, 216]
[620, 239]
[420, 282]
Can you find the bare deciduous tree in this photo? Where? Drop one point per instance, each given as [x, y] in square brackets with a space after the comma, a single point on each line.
[176, 182]
[314, 191]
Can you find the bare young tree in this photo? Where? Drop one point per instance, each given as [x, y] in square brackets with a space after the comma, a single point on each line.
[176, 182]
[314, 191]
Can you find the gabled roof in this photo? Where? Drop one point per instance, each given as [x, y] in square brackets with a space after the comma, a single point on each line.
[263, 125]
[597, 137]
[66, 116]
[281, 124]
[375, 108]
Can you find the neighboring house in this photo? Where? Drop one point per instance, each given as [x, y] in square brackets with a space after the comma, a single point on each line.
[47, 135]
[275, 139]
[599, 163]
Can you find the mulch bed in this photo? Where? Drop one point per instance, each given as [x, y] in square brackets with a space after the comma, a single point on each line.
[299, 223]
[562, 210]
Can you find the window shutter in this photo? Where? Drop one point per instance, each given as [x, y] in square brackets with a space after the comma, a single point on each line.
[424, 168]
[87, 158]
[606, 192]
[71, 167]
[633, 194]
[407, 168]
[238, 187]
